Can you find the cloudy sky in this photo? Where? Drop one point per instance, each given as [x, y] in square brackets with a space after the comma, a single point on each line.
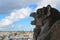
[14, 14]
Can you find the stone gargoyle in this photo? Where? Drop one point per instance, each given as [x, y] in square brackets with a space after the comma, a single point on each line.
[47, 21]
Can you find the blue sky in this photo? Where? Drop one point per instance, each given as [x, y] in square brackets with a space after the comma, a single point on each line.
[7, 7]
[14, 14]
[21, 25]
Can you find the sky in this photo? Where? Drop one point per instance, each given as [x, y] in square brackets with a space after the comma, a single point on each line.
[15, 14]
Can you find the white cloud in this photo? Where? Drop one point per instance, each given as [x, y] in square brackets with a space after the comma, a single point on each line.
[53, 3]
[15, 16]
[7, 6]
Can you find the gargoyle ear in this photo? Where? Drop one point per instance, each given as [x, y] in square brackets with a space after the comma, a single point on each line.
[48, 8]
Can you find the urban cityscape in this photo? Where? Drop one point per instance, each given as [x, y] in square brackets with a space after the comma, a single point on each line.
[16, 35]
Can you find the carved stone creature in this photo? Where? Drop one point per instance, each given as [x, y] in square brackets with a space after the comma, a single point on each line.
[45, 19]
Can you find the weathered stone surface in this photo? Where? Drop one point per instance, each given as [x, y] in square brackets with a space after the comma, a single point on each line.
[52, 34]
[55, 31]
[36, 32]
